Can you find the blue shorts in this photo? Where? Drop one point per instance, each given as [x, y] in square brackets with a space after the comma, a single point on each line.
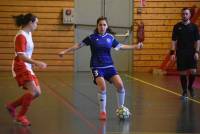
[106, 73]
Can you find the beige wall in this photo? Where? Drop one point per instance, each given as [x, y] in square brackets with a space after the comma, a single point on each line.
[50, 37]
[159, 16]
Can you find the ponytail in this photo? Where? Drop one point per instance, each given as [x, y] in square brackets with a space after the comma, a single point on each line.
[19, 20]
[23, 20]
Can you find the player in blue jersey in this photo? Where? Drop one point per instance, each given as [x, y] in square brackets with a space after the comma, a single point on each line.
[101, 63]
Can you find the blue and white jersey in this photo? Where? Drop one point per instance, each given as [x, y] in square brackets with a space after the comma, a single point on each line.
[100, 46]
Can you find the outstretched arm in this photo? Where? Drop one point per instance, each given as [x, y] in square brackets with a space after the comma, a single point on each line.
[71, 49]
[128, 47]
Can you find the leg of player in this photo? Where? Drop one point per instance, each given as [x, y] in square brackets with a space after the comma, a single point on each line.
[32, 92]
[122, 112]
[117, 82]
[191, 78]
[101, 97]
[184, 82]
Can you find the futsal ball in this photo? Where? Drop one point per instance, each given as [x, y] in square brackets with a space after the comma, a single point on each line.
[123, 113]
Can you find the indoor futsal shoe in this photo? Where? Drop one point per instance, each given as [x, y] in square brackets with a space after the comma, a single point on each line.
[191, 92]
[184, 95]
[22, 120]
[11, 110]
[102, 115]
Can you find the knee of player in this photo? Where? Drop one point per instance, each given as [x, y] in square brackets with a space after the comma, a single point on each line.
[193, 72]
[102, 90]
[37, 93]
[121, 90]
[102, 87]
[183, 72]
[120, 86]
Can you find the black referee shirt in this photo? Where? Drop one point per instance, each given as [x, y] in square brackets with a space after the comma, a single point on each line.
[185, 35]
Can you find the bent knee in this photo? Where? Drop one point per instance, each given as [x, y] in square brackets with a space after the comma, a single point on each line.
[119, 86]
[38, 93]
[121, 90]
[102, 90]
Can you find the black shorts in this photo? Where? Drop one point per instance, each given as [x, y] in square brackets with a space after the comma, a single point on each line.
[185, 60]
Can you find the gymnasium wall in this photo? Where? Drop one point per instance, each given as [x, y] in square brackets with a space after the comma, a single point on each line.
[50, 38]
[158, 16]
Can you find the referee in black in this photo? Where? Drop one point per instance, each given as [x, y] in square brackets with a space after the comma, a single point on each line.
[185, 50]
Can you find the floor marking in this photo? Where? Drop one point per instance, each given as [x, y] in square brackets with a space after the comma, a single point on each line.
[161, 88]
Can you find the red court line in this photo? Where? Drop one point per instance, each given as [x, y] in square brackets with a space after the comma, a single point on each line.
[70, 106]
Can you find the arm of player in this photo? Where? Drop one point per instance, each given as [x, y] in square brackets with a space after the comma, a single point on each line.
[197, 44]
[127, 47]
[71, 49]
[174, 45]
[173, 49]
[40, 64]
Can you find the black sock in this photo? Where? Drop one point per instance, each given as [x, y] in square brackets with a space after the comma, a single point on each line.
[183, 79]
[191, 80]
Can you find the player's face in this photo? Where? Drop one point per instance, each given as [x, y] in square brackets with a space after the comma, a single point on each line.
[186, 15]
[102, 26]
[34, 24]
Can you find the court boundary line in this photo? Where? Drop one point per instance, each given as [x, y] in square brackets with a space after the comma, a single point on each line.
[159, 87]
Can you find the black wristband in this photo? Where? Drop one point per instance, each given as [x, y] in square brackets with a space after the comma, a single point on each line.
[171, 52]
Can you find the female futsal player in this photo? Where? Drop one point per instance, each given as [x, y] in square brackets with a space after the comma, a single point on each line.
[22, 68]
[101, 63]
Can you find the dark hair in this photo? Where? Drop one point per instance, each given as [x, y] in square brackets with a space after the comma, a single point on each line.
[109, 30]
[23, 20]
[186, 8]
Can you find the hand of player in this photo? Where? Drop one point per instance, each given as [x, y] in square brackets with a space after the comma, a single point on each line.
[61, 53]
[196, 56]
[41, 64]
[140, 45]
[173, 57]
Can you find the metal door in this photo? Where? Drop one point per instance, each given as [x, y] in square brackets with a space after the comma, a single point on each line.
[119, 14]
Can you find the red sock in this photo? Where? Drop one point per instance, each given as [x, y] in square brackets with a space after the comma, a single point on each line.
[27, 99]
[17, 102]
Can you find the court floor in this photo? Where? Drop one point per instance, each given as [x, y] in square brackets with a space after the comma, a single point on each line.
[68, 105]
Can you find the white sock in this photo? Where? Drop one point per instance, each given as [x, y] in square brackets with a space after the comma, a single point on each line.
[120, 97]
[102, 101]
